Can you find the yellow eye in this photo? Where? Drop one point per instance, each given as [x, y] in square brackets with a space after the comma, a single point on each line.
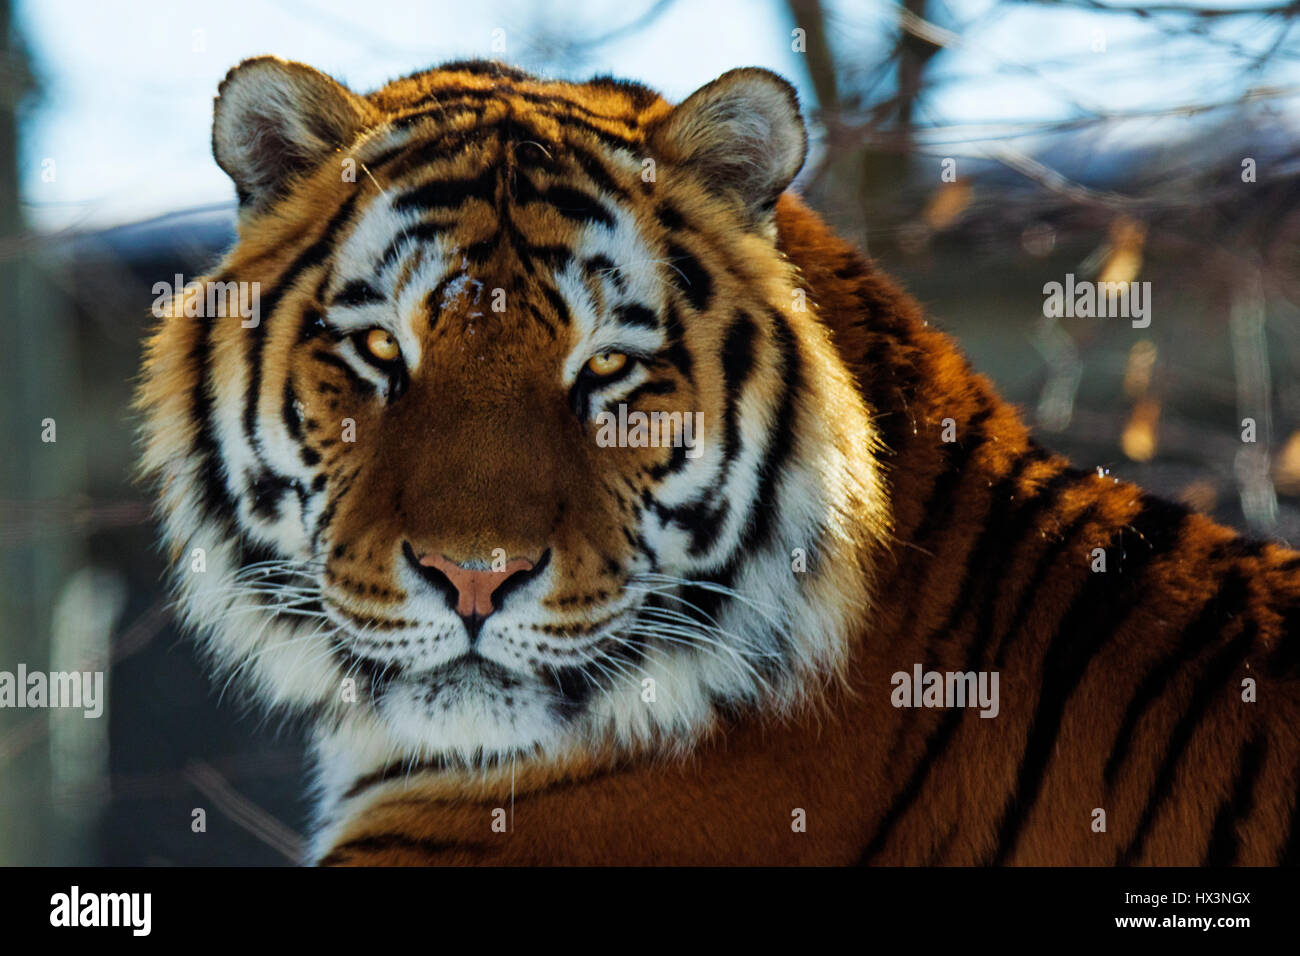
[606, 363]
[382, 345]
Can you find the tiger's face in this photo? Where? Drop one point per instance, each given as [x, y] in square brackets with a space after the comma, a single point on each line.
[534, 445]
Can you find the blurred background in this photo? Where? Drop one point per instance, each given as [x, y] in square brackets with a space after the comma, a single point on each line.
[977, 148]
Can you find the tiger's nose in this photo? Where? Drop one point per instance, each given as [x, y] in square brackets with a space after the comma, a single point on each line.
[473, 593]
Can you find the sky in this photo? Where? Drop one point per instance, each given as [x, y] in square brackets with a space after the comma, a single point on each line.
[121, 131]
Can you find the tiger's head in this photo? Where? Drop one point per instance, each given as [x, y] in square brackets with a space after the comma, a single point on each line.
[533, 443]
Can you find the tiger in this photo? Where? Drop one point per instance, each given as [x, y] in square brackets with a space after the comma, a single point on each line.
[413, 503]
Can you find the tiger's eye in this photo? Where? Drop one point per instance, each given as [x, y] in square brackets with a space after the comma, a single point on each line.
[606, 363]
[382, 345]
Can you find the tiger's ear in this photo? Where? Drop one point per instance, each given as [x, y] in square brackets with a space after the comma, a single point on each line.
[742, 134]
[275, 120]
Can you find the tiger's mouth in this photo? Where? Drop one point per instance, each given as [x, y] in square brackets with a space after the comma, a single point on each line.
[469, 669]
[471, 708]
[472, 674]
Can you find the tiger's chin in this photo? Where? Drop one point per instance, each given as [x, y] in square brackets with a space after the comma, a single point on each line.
[473, 711]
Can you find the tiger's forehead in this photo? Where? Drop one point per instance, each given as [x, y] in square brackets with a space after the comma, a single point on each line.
[513, 226]
[474, 83]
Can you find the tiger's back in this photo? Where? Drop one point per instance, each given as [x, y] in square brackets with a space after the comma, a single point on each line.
[1147, 660]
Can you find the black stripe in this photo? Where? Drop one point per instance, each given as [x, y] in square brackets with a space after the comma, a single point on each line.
[1222, 606]
[477, 253]
[541, 319]
[575, 204]
[690, 277]
[703, 520]
[705, 516]
[457, 102]
[314, 255]
[575, 685]
[443, 147]
[313, 325]
[382, 159]
[559, 106]
[1242, 547]
[738, 356]
[669, 217]
[595, 170]
[558, 305]
[676, 353]
[392, 252]
[217, 501]
[326, 517]
[266, 491]
[357, 292]
[423, 231]
[654, 387]
[617, 142]
[448, 193]
[392, 841]
[429, 229]
[1224, 843]
[289, 411]
[406, 770]
[600, 268]
[357, 382]
[780, 445]
[891, 374]
[639, 95]
[957, 457]
[1097, 612]
[493, 68]
[1044, 566]
[980, 563]
[553, 257]
[1210, 684]
[990, 558]
[937, 743]
[1026, 525]
[550, 106]
[675, 463]
[447, 109]
[939, 507]
[638, 315]
[450, 143]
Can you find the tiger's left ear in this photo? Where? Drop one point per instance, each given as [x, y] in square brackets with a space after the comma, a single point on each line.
[742, 134]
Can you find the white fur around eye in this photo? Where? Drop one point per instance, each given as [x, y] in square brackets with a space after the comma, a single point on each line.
[596, 331]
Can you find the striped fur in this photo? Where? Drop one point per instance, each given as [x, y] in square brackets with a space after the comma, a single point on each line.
[772, 680]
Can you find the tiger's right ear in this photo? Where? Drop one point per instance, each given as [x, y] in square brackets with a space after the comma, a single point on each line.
[275, 120]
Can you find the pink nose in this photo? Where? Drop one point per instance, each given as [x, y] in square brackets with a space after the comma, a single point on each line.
[474, 589]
